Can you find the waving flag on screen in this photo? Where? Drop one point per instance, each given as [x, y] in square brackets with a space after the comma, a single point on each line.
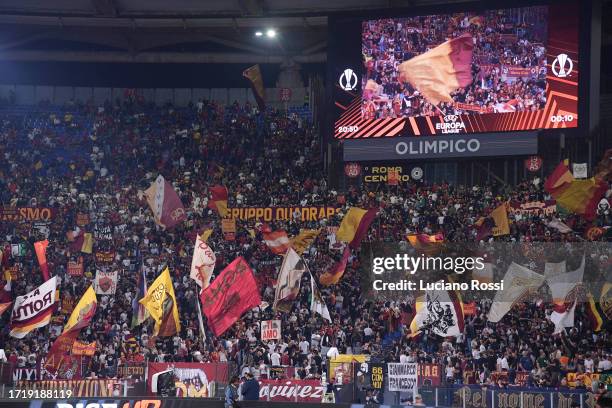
[440, 71]
[165, 203]
[231, 294]
[277, 241]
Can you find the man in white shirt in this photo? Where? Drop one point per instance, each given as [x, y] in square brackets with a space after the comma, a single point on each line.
[589, 364]
[304, 346]
[604, 364]
[3, 358]
[275, 358]
[502, 363]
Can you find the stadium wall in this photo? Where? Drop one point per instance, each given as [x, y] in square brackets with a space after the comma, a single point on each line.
[59, 95]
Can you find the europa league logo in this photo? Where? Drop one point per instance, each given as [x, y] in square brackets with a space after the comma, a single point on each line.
[562, 66]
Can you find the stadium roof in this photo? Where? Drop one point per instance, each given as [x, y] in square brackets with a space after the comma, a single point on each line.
[200, 31]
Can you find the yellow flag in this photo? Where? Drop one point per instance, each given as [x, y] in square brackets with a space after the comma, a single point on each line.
[500, 216]
[349, 224]
[87, 247]
[206, 234]
[304, 239]
[83, 312]
[160, 301]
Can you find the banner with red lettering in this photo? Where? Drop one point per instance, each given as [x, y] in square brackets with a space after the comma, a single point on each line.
[291, 390]
[195, 380]
[429, 374]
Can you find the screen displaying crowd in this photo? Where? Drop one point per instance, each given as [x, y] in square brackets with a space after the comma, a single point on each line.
[90, 164]
[508, 64]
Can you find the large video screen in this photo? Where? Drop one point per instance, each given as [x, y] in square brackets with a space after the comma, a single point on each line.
[466, 72]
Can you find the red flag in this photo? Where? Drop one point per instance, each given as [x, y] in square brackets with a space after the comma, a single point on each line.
[218, 199]
[165, 203]
[334, 275]
[41, 253]
[229, 296]
[277, 241]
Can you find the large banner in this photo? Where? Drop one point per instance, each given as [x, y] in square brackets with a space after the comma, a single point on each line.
[12, 214]
[402, 377]
[291, 391]
[196, 380]
[79, 388]
[537, 208]
[479, 397]
[282, 213]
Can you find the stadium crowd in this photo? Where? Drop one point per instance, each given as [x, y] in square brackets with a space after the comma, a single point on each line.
[503, 41]
[85, 159]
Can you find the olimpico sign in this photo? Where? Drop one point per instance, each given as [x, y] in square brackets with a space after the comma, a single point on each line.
[441, 146]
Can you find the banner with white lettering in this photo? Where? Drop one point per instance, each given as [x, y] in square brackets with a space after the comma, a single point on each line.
[270, 330]
[402, 377]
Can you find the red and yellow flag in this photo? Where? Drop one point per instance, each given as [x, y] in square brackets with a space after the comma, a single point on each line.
[354, 225]
[218, 199]
[577, 196]
[160, 301]
[61, 350]
[333, 276]
[41, 254]
[426, 243]
[442, 70]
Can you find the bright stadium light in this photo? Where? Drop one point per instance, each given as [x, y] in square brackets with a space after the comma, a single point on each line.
[258, 33]
[271, 33]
